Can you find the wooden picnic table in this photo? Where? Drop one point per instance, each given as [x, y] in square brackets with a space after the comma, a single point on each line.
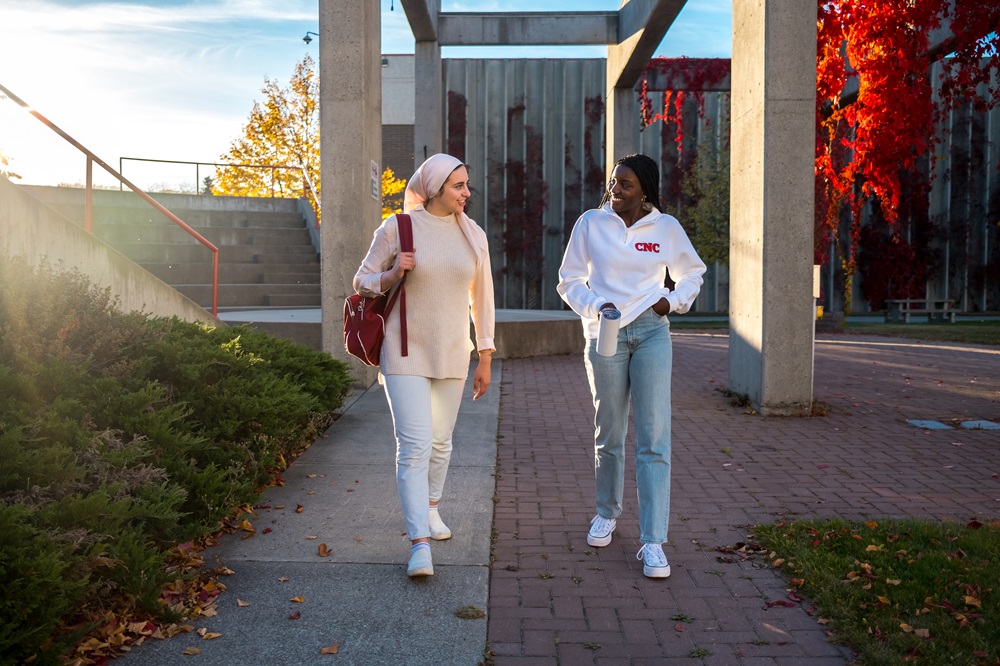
[899, 310]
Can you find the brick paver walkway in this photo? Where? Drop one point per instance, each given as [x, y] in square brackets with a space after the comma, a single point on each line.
[556, 600]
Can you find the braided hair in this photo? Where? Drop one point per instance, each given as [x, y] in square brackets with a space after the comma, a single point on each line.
[646, 171]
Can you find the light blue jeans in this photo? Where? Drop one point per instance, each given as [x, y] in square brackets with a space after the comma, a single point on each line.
[424, 412]
[639, 373]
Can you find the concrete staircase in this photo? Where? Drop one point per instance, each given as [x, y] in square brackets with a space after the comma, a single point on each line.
[267, 258]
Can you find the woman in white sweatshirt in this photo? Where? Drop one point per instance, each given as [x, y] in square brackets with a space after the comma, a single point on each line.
[619, 258]
[448, 274]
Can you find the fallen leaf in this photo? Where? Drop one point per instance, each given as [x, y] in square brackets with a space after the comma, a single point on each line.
[298, 600]
[299, 508]
[279, 506]
[780, 602]
[242, 604]
[359, 538]
[246, 526]
[330, 649]
[678, 627]
[872, 524]
[972, 601]
[283, 579]
[907, 629]
[893, 581]
[872, 548]
[797, 582]
[296, 615]
[312, 537]
[923, 633]
[191, 650]
[210, 635]
[323, 550]
[311, 476]
[266, 530]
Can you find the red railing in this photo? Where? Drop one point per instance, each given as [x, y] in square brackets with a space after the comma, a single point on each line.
[307, 184]
[89, 196]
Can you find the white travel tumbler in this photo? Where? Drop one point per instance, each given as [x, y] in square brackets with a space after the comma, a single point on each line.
[607, 334]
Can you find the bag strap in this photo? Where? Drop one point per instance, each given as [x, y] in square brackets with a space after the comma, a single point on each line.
[405, 227]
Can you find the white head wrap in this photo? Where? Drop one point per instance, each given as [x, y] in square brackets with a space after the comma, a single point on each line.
[427, 181]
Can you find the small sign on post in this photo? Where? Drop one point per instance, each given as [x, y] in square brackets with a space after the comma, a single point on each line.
[376, 182]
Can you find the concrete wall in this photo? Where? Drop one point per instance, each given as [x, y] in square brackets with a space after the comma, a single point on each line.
[31, 230]
[547, 117]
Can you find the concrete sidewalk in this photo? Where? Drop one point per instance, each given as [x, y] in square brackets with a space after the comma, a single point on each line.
[358, 597]
[551, 598]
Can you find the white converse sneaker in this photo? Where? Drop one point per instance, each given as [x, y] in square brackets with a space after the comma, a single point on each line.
[601, 529]
[439, 531]
[420, 562]
[655, 563]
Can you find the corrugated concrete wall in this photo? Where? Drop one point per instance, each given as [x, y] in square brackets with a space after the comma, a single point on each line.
[532, 132]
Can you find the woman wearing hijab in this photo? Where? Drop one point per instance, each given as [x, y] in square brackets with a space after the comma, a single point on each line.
[447, 274]
[618, 259]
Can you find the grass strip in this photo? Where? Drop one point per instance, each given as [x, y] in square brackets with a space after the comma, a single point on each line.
[897, 592]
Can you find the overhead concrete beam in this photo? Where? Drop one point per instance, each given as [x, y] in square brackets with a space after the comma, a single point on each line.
[641, 27]
[423, 18]
[527, 28]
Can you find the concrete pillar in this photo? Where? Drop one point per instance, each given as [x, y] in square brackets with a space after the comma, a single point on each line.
[622, 127]
[350, 147]
[772, 315]
[428, 128]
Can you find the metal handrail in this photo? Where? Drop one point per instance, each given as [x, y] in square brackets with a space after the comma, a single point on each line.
[89, 196]
[307, 183]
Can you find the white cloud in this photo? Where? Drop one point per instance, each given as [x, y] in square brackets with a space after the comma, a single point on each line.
[176, 80]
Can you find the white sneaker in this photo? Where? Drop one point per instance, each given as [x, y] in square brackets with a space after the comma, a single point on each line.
[439, 531]
[601, 529]
[655, 563]
[420, 563]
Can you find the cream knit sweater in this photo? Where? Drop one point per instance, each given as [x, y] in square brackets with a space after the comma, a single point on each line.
[446, 282]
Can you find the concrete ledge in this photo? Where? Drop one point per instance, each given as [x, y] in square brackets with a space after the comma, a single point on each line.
[519, 333]
[306, 334]
[518, 338]
[36, 232]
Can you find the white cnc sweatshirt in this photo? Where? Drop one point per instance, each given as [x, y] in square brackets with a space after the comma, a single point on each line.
[607, 262]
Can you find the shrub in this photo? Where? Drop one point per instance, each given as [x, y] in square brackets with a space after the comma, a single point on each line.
[123, 435]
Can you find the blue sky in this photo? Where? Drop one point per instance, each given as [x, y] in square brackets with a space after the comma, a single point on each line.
[175, 80]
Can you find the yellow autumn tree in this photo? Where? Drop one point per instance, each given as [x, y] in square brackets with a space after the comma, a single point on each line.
[283, 130]
[392, 193]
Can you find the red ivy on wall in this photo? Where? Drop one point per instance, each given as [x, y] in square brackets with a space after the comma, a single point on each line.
[692, 77]
[866, 145]
[456, 124]
[885, 48]
[522, 207]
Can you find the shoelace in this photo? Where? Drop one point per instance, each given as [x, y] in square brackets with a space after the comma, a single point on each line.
[652, 555]
[602, 524]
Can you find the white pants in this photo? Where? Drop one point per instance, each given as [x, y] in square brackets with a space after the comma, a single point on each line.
[424, 412]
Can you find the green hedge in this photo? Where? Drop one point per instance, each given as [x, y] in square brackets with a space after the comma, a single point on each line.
[122, 436]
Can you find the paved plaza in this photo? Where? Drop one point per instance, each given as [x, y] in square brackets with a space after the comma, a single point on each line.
[520, 497]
